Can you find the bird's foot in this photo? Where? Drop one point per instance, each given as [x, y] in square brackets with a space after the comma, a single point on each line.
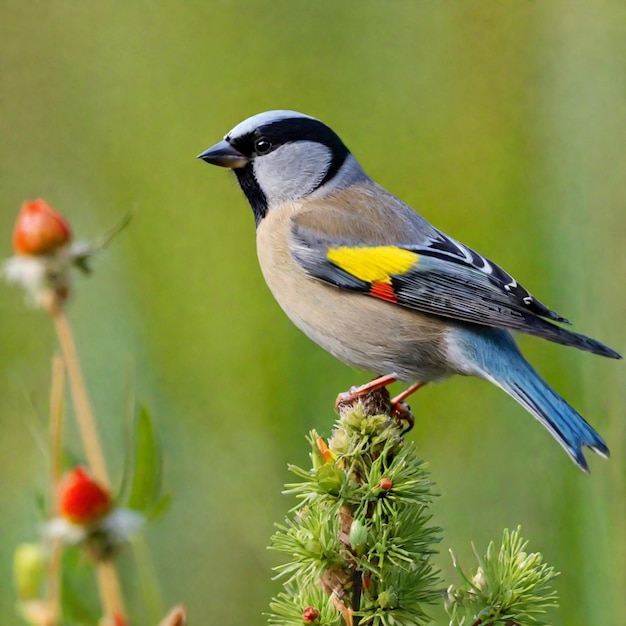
[401, 410]
[402, 414]
[356, 393]
[375, 395]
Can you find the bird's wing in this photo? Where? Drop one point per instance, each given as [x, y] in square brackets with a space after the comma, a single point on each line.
[370, 215]
[440, 277]
[445, 249]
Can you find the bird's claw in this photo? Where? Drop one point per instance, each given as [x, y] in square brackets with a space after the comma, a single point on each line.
[348, 397]
[402, 413]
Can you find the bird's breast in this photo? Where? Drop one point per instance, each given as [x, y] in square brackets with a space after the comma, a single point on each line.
[357, 329]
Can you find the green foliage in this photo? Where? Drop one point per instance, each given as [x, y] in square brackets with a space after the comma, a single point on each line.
[143, 482]
[509, 587]
[359, 541]
[79, 598]
[289, 606]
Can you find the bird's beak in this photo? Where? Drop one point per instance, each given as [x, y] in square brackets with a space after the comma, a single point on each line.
[224, 155]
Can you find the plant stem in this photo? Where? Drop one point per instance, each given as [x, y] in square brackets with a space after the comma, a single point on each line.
[56, 426]
[176, 617]
[56, 432]
[109, 589]
[108, 581]
[82, 404]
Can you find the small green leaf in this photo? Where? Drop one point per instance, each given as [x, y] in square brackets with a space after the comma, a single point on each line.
[79, 601]
[145, 479]
[161, 506]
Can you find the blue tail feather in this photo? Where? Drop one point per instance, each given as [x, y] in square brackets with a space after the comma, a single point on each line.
[499, 360]
[567, 426]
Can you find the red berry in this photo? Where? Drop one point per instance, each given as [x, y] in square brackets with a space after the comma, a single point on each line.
[385, 484]
[119, 620]
[81, 500]
[310, 614]
[39, 229]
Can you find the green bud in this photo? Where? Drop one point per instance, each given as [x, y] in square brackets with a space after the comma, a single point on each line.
[388, 599]
[28, 570]
[330, 478]
[313, 547]
[358, 537]
[479, 581]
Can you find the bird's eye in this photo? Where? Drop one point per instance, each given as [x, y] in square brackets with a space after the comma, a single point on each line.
[262, 146]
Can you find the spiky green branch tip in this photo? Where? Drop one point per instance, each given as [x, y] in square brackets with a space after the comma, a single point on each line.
[359, 541]
[510, 587]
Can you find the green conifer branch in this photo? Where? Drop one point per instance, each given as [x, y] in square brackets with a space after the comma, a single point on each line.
[510, 587]
[360, 540]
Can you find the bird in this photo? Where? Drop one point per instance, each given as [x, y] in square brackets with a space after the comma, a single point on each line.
[371, 281]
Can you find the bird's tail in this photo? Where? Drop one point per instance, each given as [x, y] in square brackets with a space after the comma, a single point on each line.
[508, 369]
[540, 327]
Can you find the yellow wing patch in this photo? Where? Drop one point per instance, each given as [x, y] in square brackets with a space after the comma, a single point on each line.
[373, 265]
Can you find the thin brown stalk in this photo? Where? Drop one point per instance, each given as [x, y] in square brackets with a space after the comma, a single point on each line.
[80, 397]
[56, 432]
[109, 589]
[176, 617]
[54, 582]
[108, 581]
[56, 426]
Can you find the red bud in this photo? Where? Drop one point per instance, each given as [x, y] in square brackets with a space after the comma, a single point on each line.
[385, 484]
[310, 614]
[119, 619]
[82, 500]
[39, 229]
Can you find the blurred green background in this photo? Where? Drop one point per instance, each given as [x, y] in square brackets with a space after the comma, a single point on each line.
[502, 122]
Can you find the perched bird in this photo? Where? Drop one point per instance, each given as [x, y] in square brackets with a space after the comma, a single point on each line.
[373, 283]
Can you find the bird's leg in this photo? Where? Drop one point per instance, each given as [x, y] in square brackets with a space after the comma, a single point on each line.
[409, 391]
[401, 409]
[347, 397]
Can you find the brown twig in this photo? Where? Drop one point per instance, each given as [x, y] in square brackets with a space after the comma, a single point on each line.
[82, 404]
[176, 617]
[56, 425]
[108, 581]
[56, 433]
[109, 589]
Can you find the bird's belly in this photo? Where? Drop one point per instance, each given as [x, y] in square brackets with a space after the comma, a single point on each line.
[357, 329]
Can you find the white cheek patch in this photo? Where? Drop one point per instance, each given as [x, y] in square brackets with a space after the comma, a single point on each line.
[292, 171]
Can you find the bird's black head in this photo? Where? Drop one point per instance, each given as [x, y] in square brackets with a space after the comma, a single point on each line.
[282, 156]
